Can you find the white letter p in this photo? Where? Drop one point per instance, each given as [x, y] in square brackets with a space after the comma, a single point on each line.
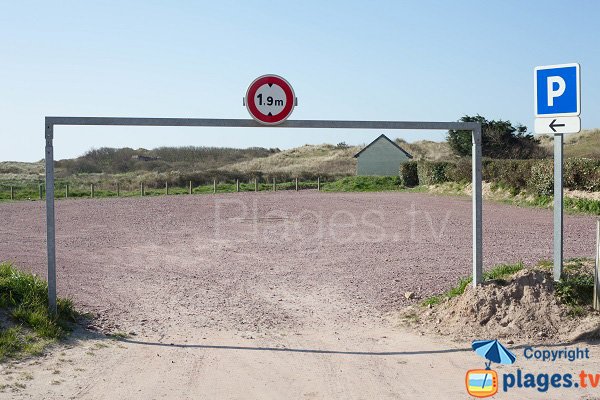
[555, 93]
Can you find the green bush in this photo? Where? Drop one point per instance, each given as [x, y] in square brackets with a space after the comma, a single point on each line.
[581, 174]
[541, 181]
[432, 172]
[408, 174]
[513, 174]
[500, 139]
[459, 171]
[534, 175]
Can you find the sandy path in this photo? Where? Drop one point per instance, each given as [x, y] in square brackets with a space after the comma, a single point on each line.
[308, 270]
[358, 363]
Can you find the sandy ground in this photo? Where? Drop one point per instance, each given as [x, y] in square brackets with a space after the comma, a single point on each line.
[268, 295]
[358, 363]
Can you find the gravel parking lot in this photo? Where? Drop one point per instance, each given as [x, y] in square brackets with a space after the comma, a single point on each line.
[263, 260]
[264, 295]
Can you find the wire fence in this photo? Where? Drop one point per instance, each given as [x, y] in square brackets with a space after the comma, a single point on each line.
[64, 189]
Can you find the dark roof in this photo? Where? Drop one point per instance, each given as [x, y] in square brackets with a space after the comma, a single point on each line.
[388, 139]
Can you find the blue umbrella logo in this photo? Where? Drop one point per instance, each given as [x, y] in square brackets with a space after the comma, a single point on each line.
[493, 351]
[484, 383]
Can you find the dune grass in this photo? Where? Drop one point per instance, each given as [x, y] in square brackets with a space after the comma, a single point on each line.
[582, 144]
[27, 327]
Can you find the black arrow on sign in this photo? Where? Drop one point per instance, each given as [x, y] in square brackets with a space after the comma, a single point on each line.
[552, 125]
[270, 115]
[270, 84]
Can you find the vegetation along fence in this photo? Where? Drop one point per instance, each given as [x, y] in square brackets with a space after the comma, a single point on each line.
[65, 189]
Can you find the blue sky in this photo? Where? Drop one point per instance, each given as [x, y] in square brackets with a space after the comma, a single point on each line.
[396, 60]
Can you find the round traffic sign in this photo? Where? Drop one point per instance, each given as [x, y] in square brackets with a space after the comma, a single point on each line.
[270, 99]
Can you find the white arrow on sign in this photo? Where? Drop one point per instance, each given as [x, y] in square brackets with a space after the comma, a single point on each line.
[557, 125]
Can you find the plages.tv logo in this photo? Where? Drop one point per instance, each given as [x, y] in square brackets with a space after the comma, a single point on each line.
[484, 382]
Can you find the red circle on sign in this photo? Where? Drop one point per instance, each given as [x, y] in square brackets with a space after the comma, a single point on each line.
[289, 99]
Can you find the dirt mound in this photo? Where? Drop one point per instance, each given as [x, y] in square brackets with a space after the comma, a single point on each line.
[523, 308]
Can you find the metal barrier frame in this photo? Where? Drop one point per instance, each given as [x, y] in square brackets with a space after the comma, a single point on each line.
[51, 122]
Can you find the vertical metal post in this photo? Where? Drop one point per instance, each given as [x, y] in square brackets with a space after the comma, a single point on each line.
[597, 269]
[12, 193]
[50, 224]
[214, 186]
[558, 205]
[190, 187]
[477, 207]
[237, 185]
[318, 183]
[296, 184]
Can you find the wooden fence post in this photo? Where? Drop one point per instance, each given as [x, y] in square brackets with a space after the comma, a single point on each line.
[296, 184]
[12, 193]
[255, 185]
[214, 186]
[92, 190]
[318, 183]
[41, 192]
[118, 189]
[66, 190]
[274, 187]
[190, 187]
[142, 189]
[167, 188]
[237, 185]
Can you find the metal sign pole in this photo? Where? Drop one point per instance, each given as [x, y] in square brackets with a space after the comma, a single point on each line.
[557, 106]
[50, 223]
[597, 269]
[477, 206]
[558, 206]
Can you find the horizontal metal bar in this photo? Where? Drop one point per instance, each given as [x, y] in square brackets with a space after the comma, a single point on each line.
[250, 123]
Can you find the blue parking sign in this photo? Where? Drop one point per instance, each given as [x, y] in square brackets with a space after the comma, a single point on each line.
[557, 90]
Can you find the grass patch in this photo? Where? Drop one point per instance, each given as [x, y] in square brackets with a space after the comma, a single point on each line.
[499, 273]
[586, 206]
[118, 335]
[576, 288]
[501, 192]
[571, 205]
[505, 194]
[24, 302]
[364, 184]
